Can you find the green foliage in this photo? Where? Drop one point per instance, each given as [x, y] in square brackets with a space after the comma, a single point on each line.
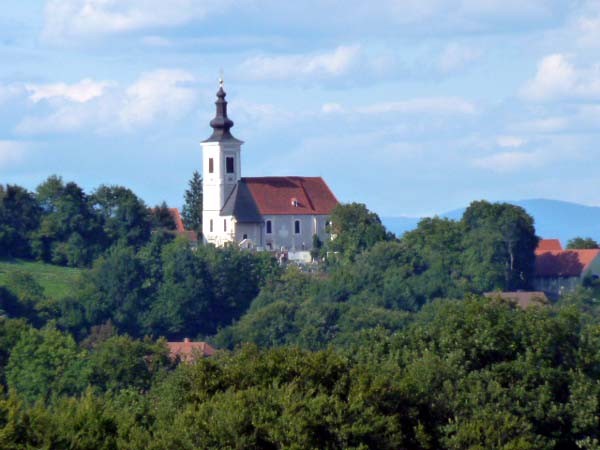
[162, 217]
[10, 333]
[19, 216]
[70, 232]
[115, 289]
[580, 243]
[183, 298]
[476, 373]
[355, 229]
[126, 218]
[499, 246]
[46, 362]
[191, 213]
[121, 362]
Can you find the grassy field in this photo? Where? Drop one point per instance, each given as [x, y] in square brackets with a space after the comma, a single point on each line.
[57, 281]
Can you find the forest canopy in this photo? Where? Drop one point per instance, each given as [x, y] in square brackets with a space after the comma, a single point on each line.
[385, 342]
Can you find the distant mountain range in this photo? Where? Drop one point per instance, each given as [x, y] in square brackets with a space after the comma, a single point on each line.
[553, 219]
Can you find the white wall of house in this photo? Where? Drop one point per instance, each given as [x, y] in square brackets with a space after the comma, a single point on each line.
[554, 287]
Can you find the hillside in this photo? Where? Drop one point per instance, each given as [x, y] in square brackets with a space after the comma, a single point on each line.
[553, 219]
[58, 282]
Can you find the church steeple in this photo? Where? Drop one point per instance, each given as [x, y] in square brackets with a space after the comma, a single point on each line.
[221, 124]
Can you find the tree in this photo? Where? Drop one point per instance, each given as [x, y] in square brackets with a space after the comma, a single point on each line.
[439, 242]
[46, 362]
[70, 232]
[115, 288]
[354, 229]
[19, 216]
[499, 246]
[121, 362]
[580, 243]
[126, 218]
[162, 217]
[192, 209]
[181, 307]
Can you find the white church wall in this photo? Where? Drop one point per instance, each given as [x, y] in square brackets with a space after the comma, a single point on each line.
[223, 228]
[250, 231]
[283, 231]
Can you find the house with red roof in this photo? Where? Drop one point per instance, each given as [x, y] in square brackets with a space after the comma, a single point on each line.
[280, 213]
[180, 229]
[189, 351]
[559, 271]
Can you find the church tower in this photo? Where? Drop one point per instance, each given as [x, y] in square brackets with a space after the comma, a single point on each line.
[221, 170]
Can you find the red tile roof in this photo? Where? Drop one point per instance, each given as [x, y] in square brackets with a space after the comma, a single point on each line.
[189, 351]
[565, 263]
[291, 195]
[180, 228]
[177, 219]
[549, 245]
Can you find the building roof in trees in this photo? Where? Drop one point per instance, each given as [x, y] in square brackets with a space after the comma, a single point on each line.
[564, 263]
[549, 245]
[291, 195]
[189, 351]
[522, 299]
[180, 228]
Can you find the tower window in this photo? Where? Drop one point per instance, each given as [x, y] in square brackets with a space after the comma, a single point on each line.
[211, 225]
[269, 227]
[296, 227]
[229, 164]
[224, 224]
[211, 165]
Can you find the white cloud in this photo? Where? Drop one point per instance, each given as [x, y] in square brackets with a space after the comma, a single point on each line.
[163, 94]
[331, 108]
[509, 161]
[544, 125]
[10, 91]
[433, 105]
[588, 29]
[12, 152]
[321, 65]
[81, 92]
[558, 78]
[64, 19]
[456, 57]
[510, 142]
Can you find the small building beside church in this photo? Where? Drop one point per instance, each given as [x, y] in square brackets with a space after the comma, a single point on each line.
[280, 213]
[558, 271]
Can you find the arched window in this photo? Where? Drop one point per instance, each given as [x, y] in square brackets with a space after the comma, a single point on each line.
[224, 224]
[211, 225]
[296, 227]
[269, 227]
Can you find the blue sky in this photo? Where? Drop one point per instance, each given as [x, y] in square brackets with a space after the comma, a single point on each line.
[410, 106]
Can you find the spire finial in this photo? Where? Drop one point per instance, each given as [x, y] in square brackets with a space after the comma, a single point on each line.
[221, 78]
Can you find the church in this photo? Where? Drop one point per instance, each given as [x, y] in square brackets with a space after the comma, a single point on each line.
[263, 213]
